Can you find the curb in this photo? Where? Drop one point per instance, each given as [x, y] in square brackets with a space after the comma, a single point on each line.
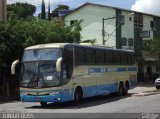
[8, 99]
[146, 94]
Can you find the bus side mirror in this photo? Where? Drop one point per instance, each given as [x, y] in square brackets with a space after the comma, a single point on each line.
[58, 64]
[13, 66]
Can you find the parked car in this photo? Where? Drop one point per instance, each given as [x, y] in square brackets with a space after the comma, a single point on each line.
[157, 83]
[157, 74]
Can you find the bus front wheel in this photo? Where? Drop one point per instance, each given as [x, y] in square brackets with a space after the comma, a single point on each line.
[78, 96]
[43, 104]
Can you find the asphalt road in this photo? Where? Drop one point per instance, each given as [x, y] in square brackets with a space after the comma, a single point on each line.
[101, 104]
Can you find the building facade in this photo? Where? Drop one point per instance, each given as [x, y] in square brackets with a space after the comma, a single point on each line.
[121, 29]
[3, 10]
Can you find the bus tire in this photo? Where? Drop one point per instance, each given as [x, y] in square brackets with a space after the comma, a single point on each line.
[126, 88]
[43, 104]
[78, 96]
[121, 89]
[157, 87]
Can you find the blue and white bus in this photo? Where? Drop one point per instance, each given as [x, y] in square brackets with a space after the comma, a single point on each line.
[62, 72]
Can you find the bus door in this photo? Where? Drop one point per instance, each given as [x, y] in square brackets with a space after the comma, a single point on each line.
[67, 89]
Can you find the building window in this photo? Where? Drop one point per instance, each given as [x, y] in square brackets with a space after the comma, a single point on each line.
[153, 25]
[73, 22]
[138, 20]
[130, 18]
[130, 42]
[124, 41]
[121, 19]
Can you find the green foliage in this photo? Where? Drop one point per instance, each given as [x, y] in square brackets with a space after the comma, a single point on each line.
[21, 10]
[17, 34]
[153, 46]
[22, 30]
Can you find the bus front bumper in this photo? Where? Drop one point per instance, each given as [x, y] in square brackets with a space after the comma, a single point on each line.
[47, 98]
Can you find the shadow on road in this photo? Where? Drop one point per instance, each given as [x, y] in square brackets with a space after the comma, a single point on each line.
[88, 102]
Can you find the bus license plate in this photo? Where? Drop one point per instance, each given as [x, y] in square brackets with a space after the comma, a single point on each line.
[37, 99]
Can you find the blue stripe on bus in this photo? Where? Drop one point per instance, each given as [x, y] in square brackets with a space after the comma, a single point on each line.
[88, 91]
[100, 90]
[110, 69]
[132, 69]
[121, 69]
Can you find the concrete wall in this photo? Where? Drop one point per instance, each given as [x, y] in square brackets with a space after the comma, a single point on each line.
[92, 24]
[147, 27]
[128, 27]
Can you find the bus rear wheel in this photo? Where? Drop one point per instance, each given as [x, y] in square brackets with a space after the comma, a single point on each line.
[121, 89]
[126, 88]
[78, 96]
[43, 104]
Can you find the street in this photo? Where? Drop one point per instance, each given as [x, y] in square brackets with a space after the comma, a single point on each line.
[101, 104]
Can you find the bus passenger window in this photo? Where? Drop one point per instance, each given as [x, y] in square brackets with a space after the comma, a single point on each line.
[108, 57]
[79, 56]
[100, 57]
[90, 56]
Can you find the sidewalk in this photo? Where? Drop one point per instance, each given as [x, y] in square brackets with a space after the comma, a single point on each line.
[144, 89]
[8, 99]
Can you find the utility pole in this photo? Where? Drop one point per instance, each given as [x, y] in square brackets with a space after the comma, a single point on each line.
[103, 30]
[49, 15]
[43, 14]
[118, 26]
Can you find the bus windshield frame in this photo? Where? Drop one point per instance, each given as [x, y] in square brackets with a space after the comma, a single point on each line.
[38, 68]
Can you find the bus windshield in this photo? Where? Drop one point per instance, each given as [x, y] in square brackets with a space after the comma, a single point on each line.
[42, 54]
[38, 68]
[39, 74]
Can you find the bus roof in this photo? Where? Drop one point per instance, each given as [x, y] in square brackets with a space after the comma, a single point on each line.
[50, 45]
[61, 45]
[102, 48]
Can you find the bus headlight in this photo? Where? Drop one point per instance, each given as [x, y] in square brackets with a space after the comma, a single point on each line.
[54, 93]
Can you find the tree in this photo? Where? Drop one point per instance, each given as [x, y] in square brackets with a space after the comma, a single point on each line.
[19, 33]
[21, 10]
[153, 47]
[49, 14]
[22, 30]
[43, 10]
[59, 7]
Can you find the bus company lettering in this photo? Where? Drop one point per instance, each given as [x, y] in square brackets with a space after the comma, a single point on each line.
[111, 69]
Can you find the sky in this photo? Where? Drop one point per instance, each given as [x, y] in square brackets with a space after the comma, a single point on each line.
[146, 6]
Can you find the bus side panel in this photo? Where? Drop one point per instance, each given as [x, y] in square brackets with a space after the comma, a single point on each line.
[86, 80]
